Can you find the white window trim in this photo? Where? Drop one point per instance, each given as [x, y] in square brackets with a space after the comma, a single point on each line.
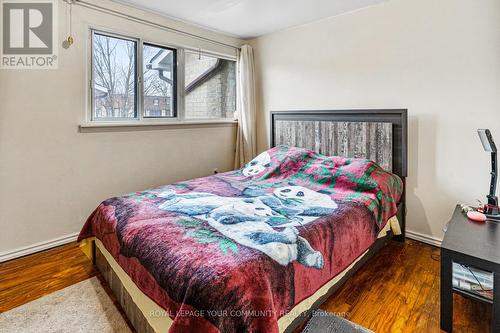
[119, 124]
[141, 121]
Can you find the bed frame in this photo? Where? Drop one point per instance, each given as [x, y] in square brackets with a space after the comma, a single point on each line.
[308, 126]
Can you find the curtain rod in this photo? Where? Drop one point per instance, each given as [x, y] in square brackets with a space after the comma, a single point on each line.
[102, 9]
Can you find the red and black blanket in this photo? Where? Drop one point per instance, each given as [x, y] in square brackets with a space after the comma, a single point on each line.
[235, 251]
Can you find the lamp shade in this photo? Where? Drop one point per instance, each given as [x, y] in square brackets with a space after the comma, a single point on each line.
[487, 140]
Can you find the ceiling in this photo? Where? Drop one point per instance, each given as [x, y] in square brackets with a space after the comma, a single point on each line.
[250, 18]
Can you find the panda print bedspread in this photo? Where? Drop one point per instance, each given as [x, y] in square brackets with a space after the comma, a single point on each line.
[234, 252]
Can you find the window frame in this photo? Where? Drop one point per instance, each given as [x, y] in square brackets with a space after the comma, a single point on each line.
[179, 74]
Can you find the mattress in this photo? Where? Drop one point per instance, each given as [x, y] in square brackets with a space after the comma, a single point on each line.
[159, 320]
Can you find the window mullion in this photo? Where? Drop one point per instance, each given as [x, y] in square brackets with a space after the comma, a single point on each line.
[180, 84]
[140, 80]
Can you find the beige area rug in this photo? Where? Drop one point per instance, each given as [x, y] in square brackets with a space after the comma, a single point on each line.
[82, 307]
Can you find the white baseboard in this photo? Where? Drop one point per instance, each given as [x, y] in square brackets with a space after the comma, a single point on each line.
[424, 238]
[30, 249]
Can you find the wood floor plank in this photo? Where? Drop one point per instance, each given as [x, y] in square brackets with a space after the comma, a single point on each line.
[26, 279]
[396, 291]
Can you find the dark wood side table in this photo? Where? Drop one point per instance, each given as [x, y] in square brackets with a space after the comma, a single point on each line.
[473, 244]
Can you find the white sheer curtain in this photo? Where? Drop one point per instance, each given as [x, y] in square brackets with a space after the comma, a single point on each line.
[246, 141]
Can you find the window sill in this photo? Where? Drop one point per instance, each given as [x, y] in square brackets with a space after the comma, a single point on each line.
[88, 126]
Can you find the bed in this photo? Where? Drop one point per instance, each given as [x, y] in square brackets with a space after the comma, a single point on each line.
[257, 249]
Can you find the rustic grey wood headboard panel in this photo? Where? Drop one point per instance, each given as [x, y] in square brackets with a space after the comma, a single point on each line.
[379, 135]
[370, 140]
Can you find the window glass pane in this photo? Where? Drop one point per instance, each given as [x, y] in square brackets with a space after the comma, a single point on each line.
[114, 75]
[159, 81]
[210, 87]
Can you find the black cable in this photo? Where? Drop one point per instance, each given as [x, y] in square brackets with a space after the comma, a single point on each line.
[475, 277]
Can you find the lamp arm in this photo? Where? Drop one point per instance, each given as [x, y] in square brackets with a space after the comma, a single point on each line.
[494, 174]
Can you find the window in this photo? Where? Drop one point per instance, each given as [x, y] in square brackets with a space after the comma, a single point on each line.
[114, 75]
[159, 81]
[210, 87]
[137, 80]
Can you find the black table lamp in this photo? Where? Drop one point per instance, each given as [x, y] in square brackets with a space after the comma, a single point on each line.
[491, 208]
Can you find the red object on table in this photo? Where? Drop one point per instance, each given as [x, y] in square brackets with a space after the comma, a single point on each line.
[476, 216]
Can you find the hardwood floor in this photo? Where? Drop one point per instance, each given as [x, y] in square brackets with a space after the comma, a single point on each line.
[26, 279]
[396, 291]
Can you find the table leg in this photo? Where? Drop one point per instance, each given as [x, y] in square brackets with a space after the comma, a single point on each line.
[495, 325]
[446, 292]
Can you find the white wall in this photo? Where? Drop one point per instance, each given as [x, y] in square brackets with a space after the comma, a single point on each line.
[440, 59]
[52, 176]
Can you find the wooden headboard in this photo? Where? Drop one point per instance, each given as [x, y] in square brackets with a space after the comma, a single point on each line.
[378, 134]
